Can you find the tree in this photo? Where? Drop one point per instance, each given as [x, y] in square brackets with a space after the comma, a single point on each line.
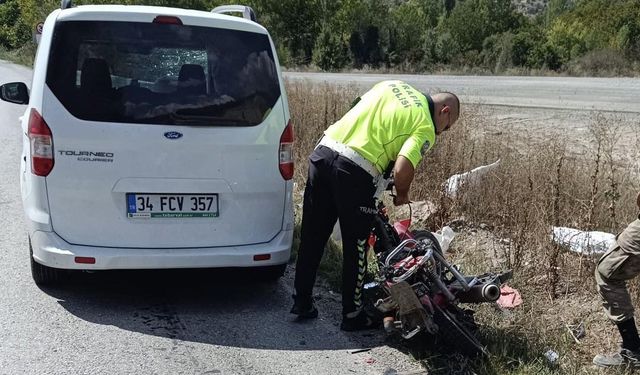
[330, 52]
[524, 43]
[556, 8]
[628, 39]
[13, 31]
[363, 22]
[372, 46]
[446, 48]
[497, 52]
[409, 27]
[429, 53]
[472, 21]
[296, 23]
[356, 46]
[545, 56]
[433, 11]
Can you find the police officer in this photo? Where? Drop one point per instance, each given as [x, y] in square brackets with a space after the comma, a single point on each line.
[391, 123]
[615, 267]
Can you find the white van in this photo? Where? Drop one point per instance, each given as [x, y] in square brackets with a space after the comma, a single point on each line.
[155, 138]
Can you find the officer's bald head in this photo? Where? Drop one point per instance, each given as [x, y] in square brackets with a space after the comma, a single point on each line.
[446, 107]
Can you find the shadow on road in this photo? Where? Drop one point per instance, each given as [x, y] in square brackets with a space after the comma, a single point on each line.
[218, 307]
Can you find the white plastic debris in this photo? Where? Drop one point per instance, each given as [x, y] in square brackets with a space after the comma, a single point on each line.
[552, 356]
[445, 236]
[582, 242]
[454, 182]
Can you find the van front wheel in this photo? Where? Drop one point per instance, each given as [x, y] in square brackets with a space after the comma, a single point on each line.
[43, 275]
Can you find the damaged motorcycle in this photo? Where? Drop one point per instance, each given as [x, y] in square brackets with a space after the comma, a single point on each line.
[418, 293]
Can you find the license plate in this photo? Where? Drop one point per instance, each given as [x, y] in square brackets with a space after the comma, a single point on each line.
[144, 206]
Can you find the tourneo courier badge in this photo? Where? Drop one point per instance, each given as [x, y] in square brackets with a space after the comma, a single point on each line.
[172, 135]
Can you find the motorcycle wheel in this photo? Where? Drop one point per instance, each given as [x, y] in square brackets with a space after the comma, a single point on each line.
[457, 331]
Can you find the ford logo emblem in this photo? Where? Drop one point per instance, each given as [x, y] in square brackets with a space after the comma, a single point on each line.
[172, 135]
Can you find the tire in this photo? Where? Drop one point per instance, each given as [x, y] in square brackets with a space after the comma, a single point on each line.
[458, 332]
[43, 275]
[272, 273]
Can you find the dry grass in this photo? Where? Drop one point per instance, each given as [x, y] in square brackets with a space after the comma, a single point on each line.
[534, 188]
[22, 56]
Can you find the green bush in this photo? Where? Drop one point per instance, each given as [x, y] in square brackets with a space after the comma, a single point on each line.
[23, 55]
[330, 52]
[13, 31]
[544, 56]
[472, 21]
[408, 30]
[446, 48]
[497, 52]
[429, 52]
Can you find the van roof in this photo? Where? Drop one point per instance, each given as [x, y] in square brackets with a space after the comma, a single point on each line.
[141, 13]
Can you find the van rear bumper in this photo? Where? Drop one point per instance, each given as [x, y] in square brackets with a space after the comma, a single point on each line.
[52, 251]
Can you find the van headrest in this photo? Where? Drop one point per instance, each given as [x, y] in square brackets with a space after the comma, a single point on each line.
[95, 76]
[191, 79]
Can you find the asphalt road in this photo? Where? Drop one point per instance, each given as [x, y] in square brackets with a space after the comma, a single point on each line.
[602, 94]
[158, 322]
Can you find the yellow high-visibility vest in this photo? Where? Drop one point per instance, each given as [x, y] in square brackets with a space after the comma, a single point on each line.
[391, 119]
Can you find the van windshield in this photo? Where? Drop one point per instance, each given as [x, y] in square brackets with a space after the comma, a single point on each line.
[152, 73]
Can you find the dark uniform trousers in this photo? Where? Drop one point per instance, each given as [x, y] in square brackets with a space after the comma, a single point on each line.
[336, 188]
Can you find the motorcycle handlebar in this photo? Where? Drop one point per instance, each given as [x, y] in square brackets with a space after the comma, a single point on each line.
[390, 184]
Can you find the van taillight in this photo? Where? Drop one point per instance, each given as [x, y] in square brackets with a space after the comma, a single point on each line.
[41, 145]
[286, 152]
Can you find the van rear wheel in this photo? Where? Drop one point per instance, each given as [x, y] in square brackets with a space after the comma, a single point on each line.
[272, 273]
[43, 275]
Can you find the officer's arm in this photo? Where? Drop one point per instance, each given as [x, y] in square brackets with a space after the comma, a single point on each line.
[638, 200]
[402, 176]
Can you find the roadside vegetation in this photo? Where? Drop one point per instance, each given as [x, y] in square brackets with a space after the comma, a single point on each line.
[505, 222]
[574, 37]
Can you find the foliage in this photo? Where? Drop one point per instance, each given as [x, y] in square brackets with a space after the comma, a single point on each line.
[414, 35]
[472, 21]
[330, 52]
[497, 52]
[14, 32]
[407, 31]
[296, 24]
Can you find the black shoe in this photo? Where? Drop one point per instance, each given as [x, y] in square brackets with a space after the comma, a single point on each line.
[623, 358]
[304, 308]
[360, 322]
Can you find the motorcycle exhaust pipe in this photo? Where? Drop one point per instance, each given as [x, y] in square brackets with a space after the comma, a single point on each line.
[480, 293]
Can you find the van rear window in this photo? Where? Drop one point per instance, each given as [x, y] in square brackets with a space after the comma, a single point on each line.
[151, 73]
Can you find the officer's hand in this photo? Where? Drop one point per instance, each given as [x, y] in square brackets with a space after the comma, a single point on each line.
[399, 200]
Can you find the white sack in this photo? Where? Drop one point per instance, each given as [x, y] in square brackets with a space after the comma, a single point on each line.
[454, 182]
[582, 242]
